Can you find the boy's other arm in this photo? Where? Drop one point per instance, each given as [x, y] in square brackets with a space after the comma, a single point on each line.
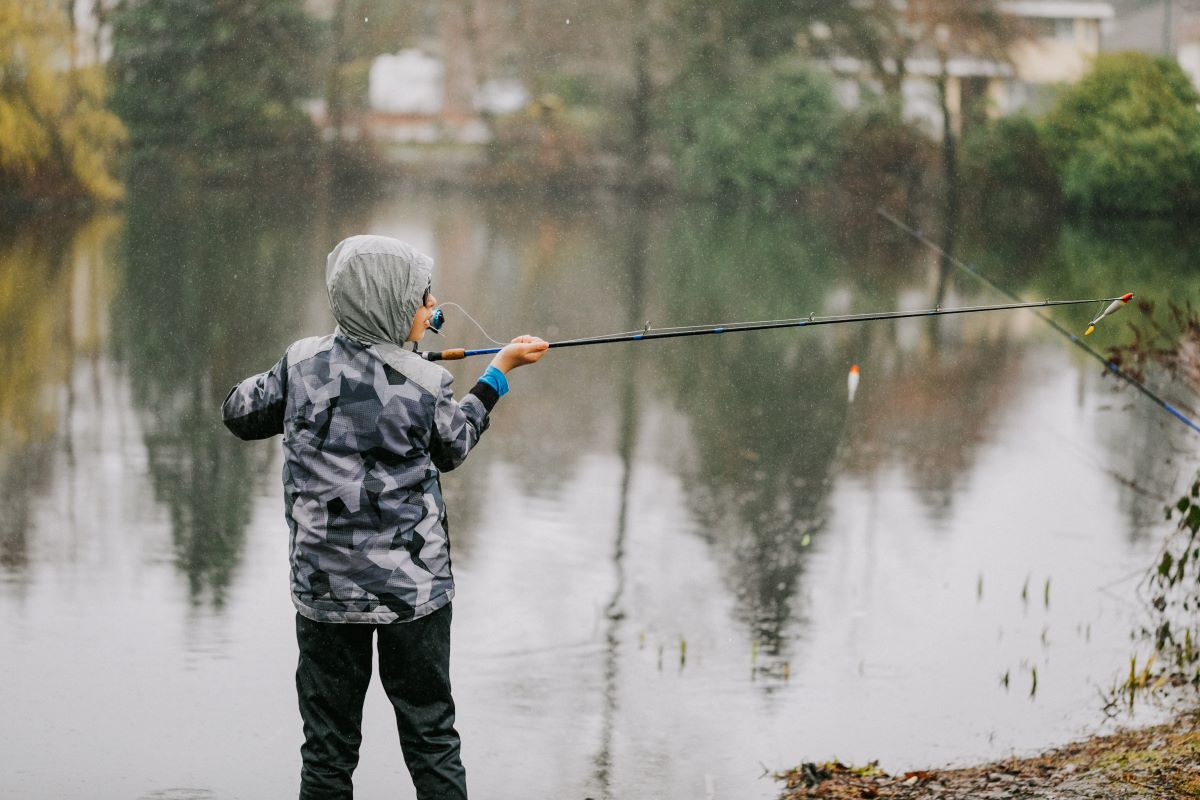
[254, 408]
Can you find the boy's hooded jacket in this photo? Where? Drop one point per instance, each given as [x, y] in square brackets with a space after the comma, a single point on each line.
[367, 427]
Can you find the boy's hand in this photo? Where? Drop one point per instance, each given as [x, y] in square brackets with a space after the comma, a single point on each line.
[523, 350]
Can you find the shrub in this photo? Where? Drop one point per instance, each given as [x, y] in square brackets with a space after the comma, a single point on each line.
[882, 159]
[1127, 137]
[764, 137]
[1009, 154]
[215, 86]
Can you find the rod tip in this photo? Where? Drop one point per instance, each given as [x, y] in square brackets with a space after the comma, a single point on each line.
[1088, 332]
[1125, 298]
[854, 369]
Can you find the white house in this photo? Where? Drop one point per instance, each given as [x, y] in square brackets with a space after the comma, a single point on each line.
[1062, 38]
[1170, 28]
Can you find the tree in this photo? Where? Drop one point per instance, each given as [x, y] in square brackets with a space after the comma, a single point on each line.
[772, 133]
[1127, 137]
[56, 138]
[214, 84]
[733, 37]
[884, 35]
[974, 28]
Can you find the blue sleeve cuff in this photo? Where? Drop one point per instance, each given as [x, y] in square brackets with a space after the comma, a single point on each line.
[495, 379]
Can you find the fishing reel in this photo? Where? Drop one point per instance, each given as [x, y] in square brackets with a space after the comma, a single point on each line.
[437, 320]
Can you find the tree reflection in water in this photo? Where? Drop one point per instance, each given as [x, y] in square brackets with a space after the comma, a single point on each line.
[34, 350]
[770, 420]
[52, 280]
[634, 263]
[765, 411]
[1082, 258]
[212, 286]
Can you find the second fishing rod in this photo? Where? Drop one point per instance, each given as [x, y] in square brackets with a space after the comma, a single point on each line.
[648, 333]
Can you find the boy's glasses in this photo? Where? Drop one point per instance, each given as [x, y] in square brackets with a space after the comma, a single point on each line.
[437, 320]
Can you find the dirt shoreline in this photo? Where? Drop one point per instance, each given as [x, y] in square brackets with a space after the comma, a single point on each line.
[1157, 763]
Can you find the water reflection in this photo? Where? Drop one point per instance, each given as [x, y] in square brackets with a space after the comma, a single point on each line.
[634, 262]
[211, 286]
[32, 344]
[930, 409]
[719, 488]
[765, 413]
[557, 270]
[1154, 259]
[53, 292]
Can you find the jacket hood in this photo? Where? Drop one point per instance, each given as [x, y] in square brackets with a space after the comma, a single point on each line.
[376, 284]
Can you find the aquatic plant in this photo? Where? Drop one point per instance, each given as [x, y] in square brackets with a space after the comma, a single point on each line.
[1174, 584]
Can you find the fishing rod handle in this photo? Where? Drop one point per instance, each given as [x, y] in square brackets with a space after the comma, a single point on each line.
[459, 353]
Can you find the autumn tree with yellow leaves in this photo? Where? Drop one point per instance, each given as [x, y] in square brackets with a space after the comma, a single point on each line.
[57, 139]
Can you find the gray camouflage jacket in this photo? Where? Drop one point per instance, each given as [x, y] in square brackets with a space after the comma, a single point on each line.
[367, 428]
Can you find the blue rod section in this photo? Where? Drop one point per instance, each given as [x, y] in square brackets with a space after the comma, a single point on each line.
[1112, 367]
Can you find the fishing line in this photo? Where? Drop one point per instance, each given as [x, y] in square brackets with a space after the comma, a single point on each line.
[441, 321]
[1108, 363]
[438, 321]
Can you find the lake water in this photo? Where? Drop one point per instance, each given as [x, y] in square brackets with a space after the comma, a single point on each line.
[679, 564]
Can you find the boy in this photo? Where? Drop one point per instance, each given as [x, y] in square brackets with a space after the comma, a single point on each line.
[367, 428]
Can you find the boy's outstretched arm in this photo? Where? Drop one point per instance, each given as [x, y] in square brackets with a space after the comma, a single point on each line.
[458, 426]
[254, 408]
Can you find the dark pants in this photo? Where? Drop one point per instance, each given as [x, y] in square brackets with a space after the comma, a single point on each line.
[331, 681]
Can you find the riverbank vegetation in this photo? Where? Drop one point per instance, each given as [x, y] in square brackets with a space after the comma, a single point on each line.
[737, 102]
[215, 92]
[1125, 139]
[760, 138]
[1166, 343]
[58, 141]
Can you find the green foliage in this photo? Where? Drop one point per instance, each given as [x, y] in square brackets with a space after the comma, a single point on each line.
[56, 137]
[1127, 137]
[772, 133]
[881, 157]
[1175, 583]
[214, 85]
[719, 32]
[1008, 152]
[200, 276]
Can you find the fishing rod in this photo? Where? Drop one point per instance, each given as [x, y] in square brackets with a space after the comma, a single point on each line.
[1107, 362]
[647, 334]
